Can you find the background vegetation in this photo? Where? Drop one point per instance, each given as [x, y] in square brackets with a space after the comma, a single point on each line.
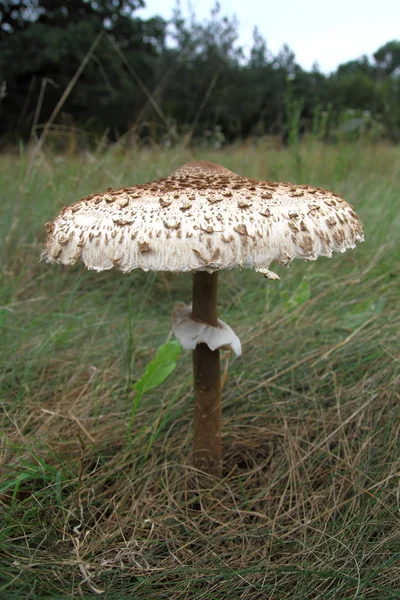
[308, 505]
[114, 73]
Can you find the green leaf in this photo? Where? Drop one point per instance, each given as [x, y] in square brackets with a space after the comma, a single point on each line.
[155, 374]
[159, 368]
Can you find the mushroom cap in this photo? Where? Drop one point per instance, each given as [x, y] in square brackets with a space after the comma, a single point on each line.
[202, 217]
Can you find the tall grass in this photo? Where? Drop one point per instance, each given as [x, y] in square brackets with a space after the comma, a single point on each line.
[308, 505]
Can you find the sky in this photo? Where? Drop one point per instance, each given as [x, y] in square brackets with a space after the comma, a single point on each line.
[328, 32]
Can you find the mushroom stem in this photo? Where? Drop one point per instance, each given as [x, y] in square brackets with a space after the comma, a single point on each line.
[207, 452]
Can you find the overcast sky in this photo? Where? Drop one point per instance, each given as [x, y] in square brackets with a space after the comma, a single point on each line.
[330, 32]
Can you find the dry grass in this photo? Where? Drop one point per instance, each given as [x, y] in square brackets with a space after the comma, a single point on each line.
[309, 503]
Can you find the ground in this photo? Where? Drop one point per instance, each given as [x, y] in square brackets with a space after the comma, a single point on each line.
[308, 506]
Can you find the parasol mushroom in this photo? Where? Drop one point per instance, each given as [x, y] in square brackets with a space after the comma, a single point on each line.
[201, 219]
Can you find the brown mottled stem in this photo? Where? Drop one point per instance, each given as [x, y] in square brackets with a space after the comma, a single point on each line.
[207, 380]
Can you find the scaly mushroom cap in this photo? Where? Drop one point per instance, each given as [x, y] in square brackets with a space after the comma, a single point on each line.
[203, 217]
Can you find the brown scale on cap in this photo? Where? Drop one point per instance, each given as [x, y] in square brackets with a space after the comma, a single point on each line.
[144, 247]
[248, 223]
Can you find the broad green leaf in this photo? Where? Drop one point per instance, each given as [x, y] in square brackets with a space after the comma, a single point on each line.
[155, 374]
[159, 368]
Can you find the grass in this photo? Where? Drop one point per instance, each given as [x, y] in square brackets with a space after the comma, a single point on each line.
[309, 503]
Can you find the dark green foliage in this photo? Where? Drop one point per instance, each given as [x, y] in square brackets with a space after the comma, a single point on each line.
[42, 47]
[388, 57]
[199, 84]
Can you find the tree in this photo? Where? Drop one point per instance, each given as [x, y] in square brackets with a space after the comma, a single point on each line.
[259, 55]
[387, 57]
[196, 81]
[42, 44]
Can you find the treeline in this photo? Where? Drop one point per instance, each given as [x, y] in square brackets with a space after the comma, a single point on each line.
[94, 66]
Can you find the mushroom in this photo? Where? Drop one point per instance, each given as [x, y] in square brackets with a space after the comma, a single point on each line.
[201, 219]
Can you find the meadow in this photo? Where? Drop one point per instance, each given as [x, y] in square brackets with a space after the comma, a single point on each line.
[308, 506]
